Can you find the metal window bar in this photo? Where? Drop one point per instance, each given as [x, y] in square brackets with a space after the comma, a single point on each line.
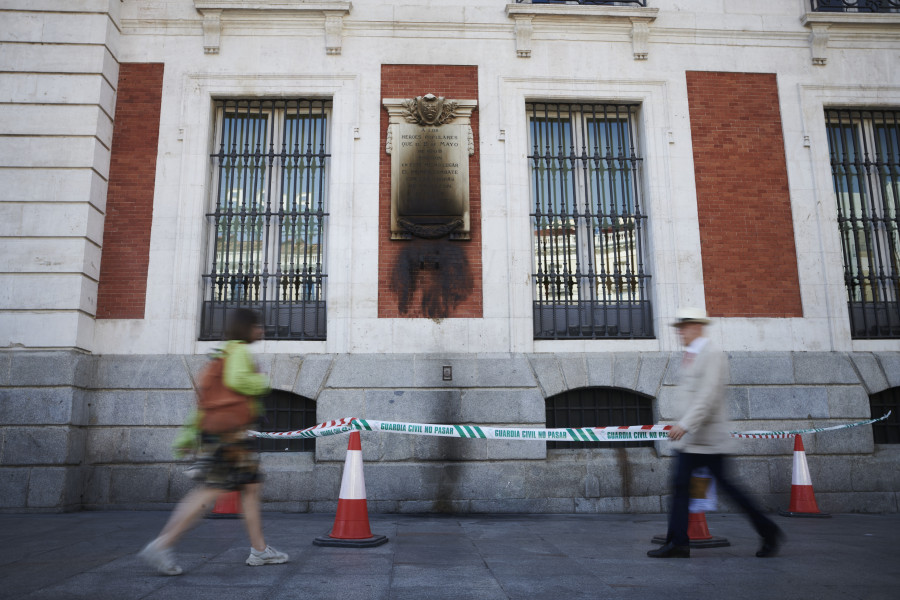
[589, 275]
[588, 2]
[287, 412]
[598, 407]
[856, 6]
[864, 148]
[269, 217]
[887, 431]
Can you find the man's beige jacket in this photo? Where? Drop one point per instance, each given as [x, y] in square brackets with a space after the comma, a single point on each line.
[700, 400]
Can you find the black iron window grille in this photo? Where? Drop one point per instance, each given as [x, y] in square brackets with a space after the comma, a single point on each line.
[887, 431]
[594, 2]
[590, 278]
[268, 221]
[865, 167]
[856, 6]
[598, 407]
[287, 412]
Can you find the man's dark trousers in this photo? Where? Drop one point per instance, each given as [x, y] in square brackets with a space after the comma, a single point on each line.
[685, 463]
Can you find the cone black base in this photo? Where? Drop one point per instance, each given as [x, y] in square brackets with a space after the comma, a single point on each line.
[713, 542]
[375, 540]
[819, 515]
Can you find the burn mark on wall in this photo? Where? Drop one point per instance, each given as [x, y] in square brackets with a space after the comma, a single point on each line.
[431, 278]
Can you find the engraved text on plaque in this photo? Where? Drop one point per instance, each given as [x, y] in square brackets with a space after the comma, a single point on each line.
[430, 141]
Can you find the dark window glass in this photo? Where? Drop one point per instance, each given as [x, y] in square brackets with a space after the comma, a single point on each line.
[856, 6]
[590, 275]
[588, 2]
[287, 412]
[887, 431]
[864, 148]
[268, 222]
[598, 407]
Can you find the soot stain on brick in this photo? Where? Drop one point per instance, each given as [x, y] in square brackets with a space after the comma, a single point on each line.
[438, 270]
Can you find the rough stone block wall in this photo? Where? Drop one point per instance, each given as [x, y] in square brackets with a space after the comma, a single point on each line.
[454, 290]
[80, 431]
[136, 408]
[132, 179]
[42, 430]
[743, 202]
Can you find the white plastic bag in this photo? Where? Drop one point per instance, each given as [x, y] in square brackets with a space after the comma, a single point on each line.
[702, 491]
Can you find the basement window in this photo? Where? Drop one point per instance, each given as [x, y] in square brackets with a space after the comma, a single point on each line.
[598, 407]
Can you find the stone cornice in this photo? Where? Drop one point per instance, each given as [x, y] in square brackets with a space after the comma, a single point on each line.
[637, 18]
[820, 25]
[332, 11]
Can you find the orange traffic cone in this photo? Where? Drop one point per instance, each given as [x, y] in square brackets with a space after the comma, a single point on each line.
[228, 506]
[702, 498]
[351, 524]
[803, 501]
[698, 534]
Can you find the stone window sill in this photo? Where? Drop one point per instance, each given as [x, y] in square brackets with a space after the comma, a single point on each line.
[821, 18]
[583, 10]
[288, 5]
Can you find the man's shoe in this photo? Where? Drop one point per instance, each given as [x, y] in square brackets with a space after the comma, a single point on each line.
[771, 544]
[269, 556]
[670, 550]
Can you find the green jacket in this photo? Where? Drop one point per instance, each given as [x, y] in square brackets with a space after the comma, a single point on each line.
[239, 373]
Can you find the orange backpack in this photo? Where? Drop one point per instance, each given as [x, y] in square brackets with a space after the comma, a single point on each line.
[222, 409]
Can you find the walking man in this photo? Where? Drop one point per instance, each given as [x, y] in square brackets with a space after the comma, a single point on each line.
[702, 438]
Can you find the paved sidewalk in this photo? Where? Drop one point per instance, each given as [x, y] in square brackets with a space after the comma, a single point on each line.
[483, 557]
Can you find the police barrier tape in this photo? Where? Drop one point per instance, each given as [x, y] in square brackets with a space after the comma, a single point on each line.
[792, 433]
[632, 433]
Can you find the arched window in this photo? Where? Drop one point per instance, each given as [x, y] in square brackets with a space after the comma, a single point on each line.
[598, 407]
[887, 431]
[287, 412]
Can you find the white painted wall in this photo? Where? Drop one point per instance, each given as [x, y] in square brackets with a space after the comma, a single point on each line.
[52, 180]
[57, 94]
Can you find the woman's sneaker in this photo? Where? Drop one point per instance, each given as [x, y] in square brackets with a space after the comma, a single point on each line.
[269, 556]
[160, 558]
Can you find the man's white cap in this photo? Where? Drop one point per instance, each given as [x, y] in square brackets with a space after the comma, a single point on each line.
[683, 316]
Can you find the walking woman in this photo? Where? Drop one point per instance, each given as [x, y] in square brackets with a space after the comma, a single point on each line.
[228, 394]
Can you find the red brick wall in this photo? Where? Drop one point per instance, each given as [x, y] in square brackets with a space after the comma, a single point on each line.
[129, 202]
[453, 290]
[746, 226]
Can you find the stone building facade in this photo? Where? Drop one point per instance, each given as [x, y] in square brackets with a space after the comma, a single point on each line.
[747, 152]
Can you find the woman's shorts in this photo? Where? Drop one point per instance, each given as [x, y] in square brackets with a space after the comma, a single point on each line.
[227, 461]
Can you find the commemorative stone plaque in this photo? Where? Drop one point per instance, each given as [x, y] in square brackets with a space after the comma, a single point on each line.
[430, 140]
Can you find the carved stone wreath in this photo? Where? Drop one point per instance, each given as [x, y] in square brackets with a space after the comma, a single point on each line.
[430, 232]
[429, 110]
